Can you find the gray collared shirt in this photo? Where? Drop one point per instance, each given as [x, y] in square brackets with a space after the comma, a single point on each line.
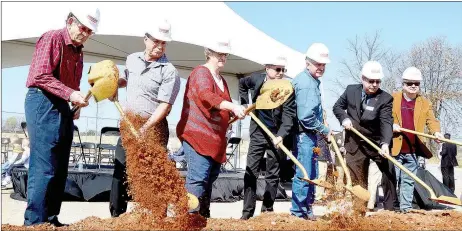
[150, 83]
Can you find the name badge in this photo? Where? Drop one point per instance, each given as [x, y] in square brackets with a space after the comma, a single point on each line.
[369, 108]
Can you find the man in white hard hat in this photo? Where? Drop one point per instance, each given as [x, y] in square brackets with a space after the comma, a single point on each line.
[280, 122]
[54, 81]
[411, 111]
[368, 109]
[152, 84]
[310, 125]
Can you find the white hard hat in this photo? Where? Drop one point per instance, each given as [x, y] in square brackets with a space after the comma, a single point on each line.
[318, 52]
[277, 61]
[89, 18]
[372, 70]
[412, 73]
[220, 45]
[162, 31]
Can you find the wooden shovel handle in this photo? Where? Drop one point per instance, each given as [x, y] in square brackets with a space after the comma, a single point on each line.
[76, 107]
[431, 136]
[281, 146]
[342, 161]
[246, 111]
[412, 175]
[122, 113]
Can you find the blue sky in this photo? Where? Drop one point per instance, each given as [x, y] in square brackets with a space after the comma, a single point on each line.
[298, 24]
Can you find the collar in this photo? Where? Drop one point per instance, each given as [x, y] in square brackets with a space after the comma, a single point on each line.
[312, 78]
[67, 38]
[409, 99]
[163, 60]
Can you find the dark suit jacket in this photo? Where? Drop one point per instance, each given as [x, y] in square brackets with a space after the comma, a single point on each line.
[284, 115]
[448, 155]
[375, 124]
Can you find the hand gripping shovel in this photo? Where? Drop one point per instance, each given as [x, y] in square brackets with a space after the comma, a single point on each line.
[103, 78]
[272, 95]
[431, 137]
[356, 190]
[440, 199]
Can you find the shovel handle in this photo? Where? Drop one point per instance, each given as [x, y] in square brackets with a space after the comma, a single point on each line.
[76, 107]
[412, 175]
[281, 146]
[342, 161]
[246, 111]
[122, 113]
[431, 136]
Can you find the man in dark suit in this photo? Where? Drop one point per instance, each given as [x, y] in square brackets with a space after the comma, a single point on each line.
[280, 122]
[369, 110]
[448, 161]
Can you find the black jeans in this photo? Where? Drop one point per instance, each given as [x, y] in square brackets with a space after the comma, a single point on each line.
[448, 177]
[259, 144]
[358, 164]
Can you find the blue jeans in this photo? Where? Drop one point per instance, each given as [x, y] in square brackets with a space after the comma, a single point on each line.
[303, 192]
[50, 125]
[202, 172]
[405, 182]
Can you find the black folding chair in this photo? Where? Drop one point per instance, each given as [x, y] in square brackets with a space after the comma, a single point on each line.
[107, 131]
[230, 156]
[78, 145]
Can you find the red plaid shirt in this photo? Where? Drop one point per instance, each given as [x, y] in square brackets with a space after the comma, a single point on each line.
[56, 64]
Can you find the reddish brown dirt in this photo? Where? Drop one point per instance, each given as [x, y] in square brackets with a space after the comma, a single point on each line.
[154, 183]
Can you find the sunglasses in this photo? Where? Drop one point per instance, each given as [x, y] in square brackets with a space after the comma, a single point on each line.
[280, 69]
[372, 81]
[412, 83]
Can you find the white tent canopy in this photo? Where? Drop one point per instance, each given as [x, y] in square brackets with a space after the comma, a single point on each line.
[123, 24]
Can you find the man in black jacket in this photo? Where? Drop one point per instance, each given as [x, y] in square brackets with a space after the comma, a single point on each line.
[369, 110]
[448, 161]
[280, 122]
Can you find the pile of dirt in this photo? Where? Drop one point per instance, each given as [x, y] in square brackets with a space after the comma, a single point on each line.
[384, 220]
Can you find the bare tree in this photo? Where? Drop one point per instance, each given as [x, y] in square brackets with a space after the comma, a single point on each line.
[441, 67]
[365, 49]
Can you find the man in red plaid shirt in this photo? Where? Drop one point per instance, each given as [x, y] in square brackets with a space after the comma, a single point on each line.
[53, 81]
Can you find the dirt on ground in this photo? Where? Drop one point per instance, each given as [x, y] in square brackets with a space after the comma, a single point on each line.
[155, 185]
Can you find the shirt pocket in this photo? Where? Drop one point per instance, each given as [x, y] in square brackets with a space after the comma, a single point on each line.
[308, 97]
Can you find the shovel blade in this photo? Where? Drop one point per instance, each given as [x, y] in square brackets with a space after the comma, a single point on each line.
[318, 182]
[359, 192]
[193, 202]
[447, 200]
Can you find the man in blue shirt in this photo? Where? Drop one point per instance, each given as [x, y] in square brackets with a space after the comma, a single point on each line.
[310, 122]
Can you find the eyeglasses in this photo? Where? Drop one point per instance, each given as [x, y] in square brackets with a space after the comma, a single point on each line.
[222, 54]
[156, 42]
[83, 28]
[412, 83]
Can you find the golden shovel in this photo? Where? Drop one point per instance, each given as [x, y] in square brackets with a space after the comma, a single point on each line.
[104, 79]
[440, 199]
[356, 190]
[272, 95]
[431, 137]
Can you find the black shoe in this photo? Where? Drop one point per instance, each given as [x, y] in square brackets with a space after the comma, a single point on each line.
[244, 218]
[56, 223]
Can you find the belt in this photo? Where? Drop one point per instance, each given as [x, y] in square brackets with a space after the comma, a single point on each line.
[301, 129]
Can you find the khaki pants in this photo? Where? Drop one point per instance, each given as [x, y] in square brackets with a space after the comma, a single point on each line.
[374, 179]
[322, 167]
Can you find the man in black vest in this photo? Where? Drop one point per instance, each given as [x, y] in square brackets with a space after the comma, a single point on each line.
[280, 122]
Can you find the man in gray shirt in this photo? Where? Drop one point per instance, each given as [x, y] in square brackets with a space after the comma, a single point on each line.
[152, 85]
